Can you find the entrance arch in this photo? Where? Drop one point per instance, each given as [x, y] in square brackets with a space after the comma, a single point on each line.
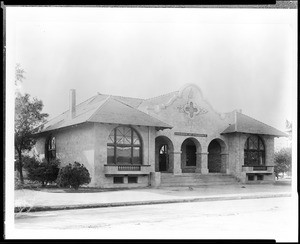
[216, 163]
[163, 154]
[189, 149]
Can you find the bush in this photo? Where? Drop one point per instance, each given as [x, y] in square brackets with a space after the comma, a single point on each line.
[44, 172]
[73, 175]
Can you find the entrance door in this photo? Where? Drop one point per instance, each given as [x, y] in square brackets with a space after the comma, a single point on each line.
[163, 158]
[190, 155]
[214, 157]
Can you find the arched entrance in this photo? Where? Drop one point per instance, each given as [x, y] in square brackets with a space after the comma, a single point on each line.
[216, 163]
[163, 156]
[189, 149]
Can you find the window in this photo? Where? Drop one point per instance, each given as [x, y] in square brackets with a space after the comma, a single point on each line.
[132, 179]
[50, 150]
[254, 151]
[124, 146]
[118, 180]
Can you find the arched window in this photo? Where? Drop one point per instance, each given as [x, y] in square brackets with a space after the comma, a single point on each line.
[50, 151]
[254, 151]
[124, 146]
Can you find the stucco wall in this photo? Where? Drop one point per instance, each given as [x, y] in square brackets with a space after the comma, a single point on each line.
[73, 144]
[87, 144]
[236, 144]
[101, 133]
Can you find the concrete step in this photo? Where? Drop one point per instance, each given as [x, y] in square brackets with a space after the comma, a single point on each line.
[198, 184]
[194, 179]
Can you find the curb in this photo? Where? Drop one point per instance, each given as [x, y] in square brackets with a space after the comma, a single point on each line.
[150, 202]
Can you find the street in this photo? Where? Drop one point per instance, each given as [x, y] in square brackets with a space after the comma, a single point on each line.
[268, 218]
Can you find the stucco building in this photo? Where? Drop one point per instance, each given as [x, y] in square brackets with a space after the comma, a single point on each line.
[173, 139]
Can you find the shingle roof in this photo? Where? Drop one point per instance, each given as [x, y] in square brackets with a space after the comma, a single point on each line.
[162, 99]
[246, 124]
[117, 112]
[105, 109]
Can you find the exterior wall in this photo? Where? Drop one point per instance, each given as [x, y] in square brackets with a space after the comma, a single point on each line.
[101, 133]
[72, 144]
[87, 144]
[236, 158]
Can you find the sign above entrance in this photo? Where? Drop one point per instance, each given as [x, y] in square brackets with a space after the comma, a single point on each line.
[189, 134]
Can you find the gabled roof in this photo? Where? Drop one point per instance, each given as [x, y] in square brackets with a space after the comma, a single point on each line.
[106, 109]
[117, 112]
[162, 99]
[246, 124]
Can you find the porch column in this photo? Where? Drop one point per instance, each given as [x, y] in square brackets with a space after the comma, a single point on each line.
[198, 163]
[224, 163]
[176, 163]
[170, 165]
[204, 163]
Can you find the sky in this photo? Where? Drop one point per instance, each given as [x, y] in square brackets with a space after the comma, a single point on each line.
[240, 58]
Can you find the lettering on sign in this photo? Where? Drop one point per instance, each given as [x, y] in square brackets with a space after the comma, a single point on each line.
[189, 134]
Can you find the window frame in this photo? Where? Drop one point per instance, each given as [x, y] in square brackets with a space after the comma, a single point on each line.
[50, 148]
[261, 153]
[116, 145]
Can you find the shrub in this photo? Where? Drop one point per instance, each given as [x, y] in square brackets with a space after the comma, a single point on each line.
[44, 172]
[73, 175]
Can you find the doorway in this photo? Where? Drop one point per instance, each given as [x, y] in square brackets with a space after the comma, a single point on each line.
[189, 155]
[163, 158]
[214, 157]
[163, 154]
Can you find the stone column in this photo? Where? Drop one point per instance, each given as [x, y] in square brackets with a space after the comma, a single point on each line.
[176, 163]
[198, 163]
[155, 179]
[204, 163]
[224, 163]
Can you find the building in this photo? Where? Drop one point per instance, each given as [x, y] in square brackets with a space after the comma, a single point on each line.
[130, 142]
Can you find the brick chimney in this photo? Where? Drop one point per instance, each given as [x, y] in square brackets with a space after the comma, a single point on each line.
[72, 104]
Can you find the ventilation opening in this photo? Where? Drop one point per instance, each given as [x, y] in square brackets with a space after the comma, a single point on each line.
[118, 180]
[260, 177]
[132, 179]
[251, 177]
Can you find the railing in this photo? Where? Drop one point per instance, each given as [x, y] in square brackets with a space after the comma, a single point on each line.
[261, 168]
[110, 169]
[129, 167]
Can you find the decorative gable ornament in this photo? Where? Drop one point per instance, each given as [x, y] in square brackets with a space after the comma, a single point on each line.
[191, 109]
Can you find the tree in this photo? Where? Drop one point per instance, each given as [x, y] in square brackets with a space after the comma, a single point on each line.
[28, 116]
[283, 161]
[19, 74]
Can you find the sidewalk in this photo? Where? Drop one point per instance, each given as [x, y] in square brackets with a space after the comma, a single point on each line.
[57, 199]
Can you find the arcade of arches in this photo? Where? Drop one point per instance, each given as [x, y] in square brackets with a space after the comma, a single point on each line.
[191, 157]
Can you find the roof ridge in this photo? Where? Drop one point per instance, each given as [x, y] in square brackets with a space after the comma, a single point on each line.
[99, 107]
[141, 111]
[259, 121]
[120, 96]
[161, 95]
[68, 110]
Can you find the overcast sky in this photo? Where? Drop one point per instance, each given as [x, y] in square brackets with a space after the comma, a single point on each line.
[240, 58]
